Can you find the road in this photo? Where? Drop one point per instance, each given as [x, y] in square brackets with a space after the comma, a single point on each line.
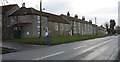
[95, 49]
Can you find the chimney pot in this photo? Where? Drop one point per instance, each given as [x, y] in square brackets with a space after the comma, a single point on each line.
[23, 5]
[76, 16]
[90, 21]
[83, 17]
[68, 14]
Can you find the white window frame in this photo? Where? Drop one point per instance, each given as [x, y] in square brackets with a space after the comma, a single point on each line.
[38, 26]
[38, 17]
[74, 23]
[66, 28]
[75, 30]
[27, 33]
[38, 32]
[79, 25]
[62, 28]
[56, 28]
[79, 30]
[11, 19]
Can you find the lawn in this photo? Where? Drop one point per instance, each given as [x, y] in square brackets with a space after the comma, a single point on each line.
[55, 40]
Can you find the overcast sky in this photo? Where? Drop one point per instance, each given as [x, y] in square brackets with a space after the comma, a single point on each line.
[104, 10]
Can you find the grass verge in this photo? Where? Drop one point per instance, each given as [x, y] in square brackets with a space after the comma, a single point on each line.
[55, 40]
[6, 50]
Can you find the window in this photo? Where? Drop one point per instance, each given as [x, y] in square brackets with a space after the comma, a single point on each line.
[12, 19]
[25, 12]
[74, 23]
[28, 33]
[75, 30]
[38, 17]
[38, 29]
[79, 25]
[38, 21]
[79, 30]
[38, 32]
[66, 28]
[56, 27]
[62, 27]
[38, 26]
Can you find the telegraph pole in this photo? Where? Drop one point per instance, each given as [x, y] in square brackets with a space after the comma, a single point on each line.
[95, 25]
[40, 18]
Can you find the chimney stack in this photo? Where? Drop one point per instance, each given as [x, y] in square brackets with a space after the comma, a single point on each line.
[83, 17]
[90, 21]
[76, 16]
[68, 14]
[23, 5]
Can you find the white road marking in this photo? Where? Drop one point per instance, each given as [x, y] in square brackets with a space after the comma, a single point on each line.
[49, 56]
[95, 46]
[40, 58]
[97, 52]
[80, 47]
[98, 45]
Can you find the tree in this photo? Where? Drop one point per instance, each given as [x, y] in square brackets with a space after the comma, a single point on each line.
[112, 24]
[106, 24]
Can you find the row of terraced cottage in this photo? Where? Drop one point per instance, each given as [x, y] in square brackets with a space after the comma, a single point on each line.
[25, 23]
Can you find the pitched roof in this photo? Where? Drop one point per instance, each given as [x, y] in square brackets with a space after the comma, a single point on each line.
[74, 19]
[28, 11]
[24, 11]
[100, 28]
[7, 7]
[55, 18]
[77, 20]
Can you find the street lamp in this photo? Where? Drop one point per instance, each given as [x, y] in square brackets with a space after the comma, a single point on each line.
[40, 18]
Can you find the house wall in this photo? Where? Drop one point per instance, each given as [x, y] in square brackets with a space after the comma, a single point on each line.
[34, 27]
[62, 30]
[101, 31]
[53, 30]
[7, 31]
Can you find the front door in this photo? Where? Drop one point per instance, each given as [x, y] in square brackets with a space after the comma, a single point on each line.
[46, 31]
[17, 32]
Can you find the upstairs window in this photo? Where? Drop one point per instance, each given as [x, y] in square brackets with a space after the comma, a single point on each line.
[38, 17]
[79, 25]
[12, 19]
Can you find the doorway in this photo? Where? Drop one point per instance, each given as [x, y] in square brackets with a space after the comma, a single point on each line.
[17, 32]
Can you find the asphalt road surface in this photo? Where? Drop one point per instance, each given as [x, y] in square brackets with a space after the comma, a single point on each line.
[95, 49]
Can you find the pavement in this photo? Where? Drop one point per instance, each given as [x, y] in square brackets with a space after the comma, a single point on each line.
[95, 49]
